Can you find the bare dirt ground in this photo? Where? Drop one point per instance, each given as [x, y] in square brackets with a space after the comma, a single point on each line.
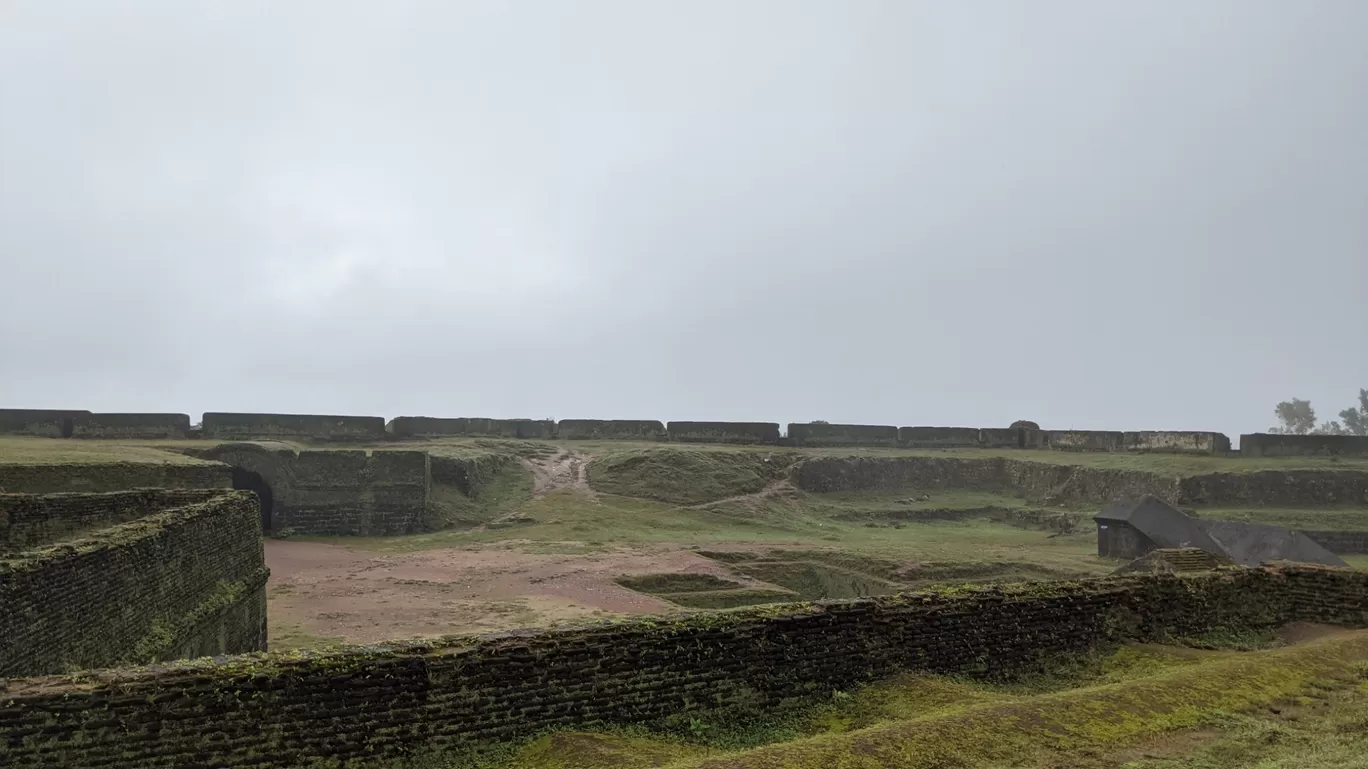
[330, 591]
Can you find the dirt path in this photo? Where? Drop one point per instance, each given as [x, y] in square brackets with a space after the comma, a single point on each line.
[562, 470]
[331, 591]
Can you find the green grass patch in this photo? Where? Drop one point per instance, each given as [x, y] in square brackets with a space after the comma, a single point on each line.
[291, 637]
[567, 521]
[675, 583]
[24, 450]
[729, 599]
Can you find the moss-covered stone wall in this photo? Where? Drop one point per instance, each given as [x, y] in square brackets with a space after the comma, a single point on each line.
[1267, 445]
[766, 433]
[337, 492]
[823, 434]
[1052, 483]
[131, 426]
[386, 703]
[29, 520]
[611, 429]
[137, 591]
[49, 423]
[1176, 442]
[111, 476]
[320, 427]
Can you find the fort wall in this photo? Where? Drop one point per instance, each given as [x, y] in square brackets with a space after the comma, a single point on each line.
[405, 700]
[111, 476]
[1176, 442]
[49, 423]
[940, 437]
[1340, 542]
[765, 433]
[29, 520]
[334, 492]
[131, 426]
[435, 427]
[1050, 483]
[611, 429]
[226, 426]
[183, 579]
[822, 434]
[1267, 445]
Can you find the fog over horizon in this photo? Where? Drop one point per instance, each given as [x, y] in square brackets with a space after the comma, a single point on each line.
[1142, 215]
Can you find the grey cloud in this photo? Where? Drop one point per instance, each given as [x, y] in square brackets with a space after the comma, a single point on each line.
[1104, 215]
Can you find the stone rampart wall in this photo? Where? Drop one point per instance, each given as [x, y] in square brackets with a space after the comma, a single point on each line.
[131, 426]
[764, 433]
[338, 492]
[383, 703]
[30, 520]
[226, 426]
[138, 591]
[822, 434]
[1266, 445]
[111, 476]
[611, 429]
[49, 423]
[1051, 483]
[1340, 542]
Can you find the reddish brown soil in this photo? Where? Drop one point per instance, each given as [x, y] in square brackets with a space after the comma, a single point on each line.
[336, 592]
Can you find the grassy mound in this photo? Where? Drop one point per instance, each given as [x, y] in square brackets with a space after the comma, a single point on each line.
[684, 476]
[475, 486]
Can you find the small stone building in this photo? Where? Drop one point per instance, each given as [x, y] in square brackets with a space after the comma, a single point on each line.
[1132, 528]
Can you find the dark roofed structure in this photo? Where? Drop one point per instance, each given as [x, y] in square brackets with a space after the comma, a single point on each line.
[1132, 528]
[1250, 544]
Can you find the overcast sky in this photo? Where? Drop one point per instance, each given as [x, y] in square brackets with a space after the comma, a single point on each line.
[1106, 215]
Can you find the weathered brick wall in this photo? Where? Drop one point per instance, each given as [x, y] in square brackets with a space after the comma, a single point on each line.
[50, 423]
[1083, 440]
[433, 427]
[1277, 488]
[766, 433]
[1038, 481]
[1072, 484]
[818, 434]
[348, 492]
[1340, 542]
[131, 426]
[611, 429]
[226, 426]
[940, 437]
[29, 520]
[111, 476]
[386, 702]
[338, 492]
[1266, 445]
[137, 591]
[1176, 441]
